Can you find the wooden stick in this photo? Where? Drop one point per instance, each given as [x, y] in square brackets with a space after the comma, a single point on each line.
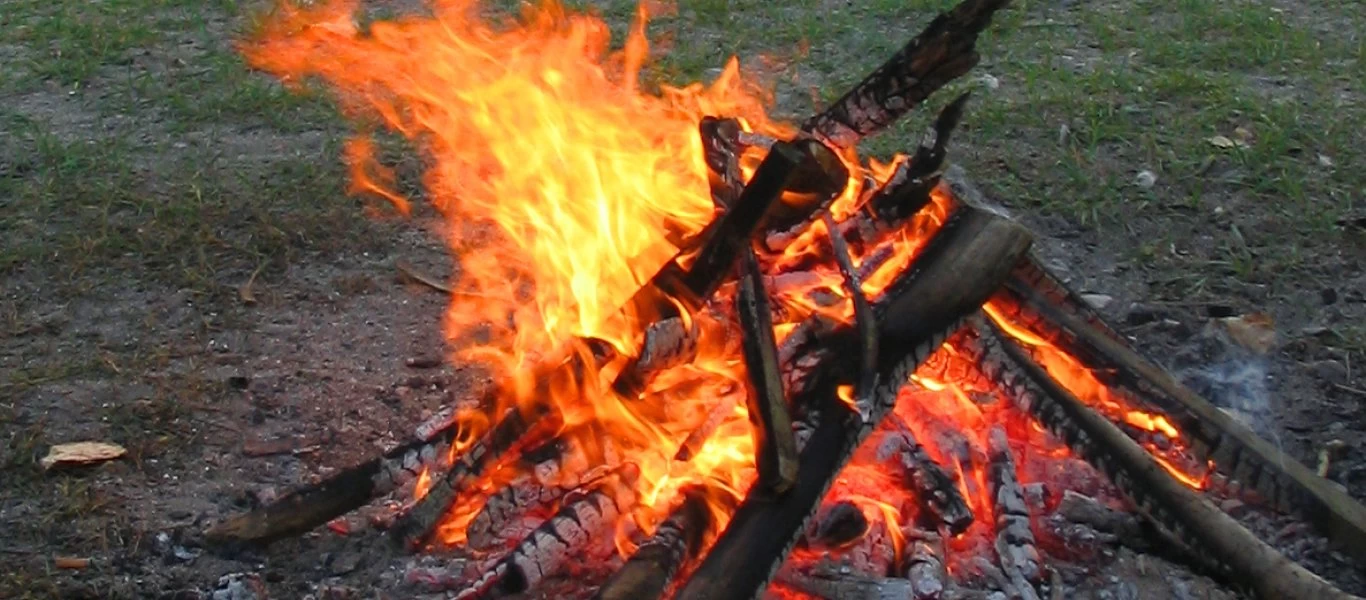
[1158, 496]
[776, 457]
[1278, 477]
[943, 51]
[721, 151]
[953, 276]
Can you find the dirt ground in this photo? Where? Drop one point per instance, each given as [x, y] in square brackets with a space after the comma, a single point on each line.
[182, 273]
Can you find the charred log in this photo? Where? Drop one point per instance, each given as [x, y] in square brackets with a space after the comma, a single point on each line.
[721, 152]
[945, 50]
[1235, 449]
[831, 583]
[667, 343]
[415, 527]
[546, 550]
[776, 455]
[1188, 517]
[648, 573]
[304, 509]
[842, 524]
[953, 277]
[924, 568]
[935, 491]
[1015, 547]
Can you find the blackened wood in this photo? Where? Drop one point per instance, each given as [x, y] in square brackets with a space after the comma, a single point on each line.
[843, 522]
[1015, 547]
[1277, 476]
[847, 586]
[1032, 272]
[864, 319]
[667, 343]
[552, 544]
[948, 282]
[935, 491]
[721, 152]
[650, 570]
[909, 191]
[776, 454]
[731, 233]
[304, 509]
[818, 180]
[924, 568]
[945, 50]
[414, 528]
[1159, 497]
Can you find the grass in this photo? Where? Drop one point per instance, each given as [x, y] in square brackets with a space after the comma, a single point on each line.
[139, 150]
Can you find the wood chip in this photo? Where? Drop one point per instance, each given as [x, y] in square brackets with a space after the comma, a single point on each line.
[81, 453]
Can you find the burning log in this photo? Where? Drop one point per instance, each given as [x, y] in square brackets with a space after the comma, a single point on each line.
[304, 509]
[1188, 517]
[841, 524]
[667, 343]
[1277, 477]
[942, 52]
[721, 152]
[648, 573]
[955, 273]
[549, 546]
[1015, 546]
[933, 484]
[415, 527]
[776, 458]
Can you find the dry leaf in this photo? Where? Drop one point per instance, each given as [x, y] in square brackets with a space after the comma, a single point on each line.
[1243, 136]
[1256, 331]
[1325, 161]
[70, 562]
[1145, 179]
[81, 453]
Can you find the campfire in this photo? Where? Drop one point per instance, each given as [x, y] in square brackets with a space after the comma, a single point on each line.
[731, 357]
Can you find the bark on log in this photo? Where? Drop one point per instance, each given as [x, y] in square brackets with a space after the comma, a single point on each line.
[1167, 503]
[1236, 450]
[648, 573]
[776, 455]
[951, 279]
[721, 151]
[943, 51]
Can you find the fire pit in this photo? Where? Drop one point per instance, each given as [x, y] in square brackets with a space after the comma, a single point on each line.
[730, 358]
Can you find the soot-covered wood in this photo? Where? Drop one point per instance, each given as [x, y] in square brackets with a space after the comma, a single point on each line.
[776, 458]
[945, 50]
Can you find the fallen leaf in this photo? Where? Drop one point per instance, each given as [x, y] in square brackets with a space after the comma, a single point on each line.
[1243, 136]
[1256, 331]
[1145, 179]
[81, 453]
[1325, 160]
[70, 562]
[1220, 141]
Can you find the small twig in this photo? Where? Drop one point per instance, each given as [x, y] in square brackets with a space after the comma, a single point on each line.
[1347, 388]
[863, 311]
[408, 271]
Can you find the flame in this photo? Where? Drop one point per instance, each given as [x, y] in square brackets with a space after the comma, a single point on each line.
[1082, 382]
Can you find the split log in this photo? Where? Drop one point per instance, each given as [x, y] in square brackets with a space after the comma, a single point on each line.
[1212, 433]
[1015, 546]
[776, 450]
[942, 52]
[1181, 512]
[953, 276]
[934, 487]
[650, 570]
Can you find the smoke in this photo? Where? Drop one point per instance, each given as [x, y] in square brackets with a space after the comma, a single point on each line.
[1231, 376]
